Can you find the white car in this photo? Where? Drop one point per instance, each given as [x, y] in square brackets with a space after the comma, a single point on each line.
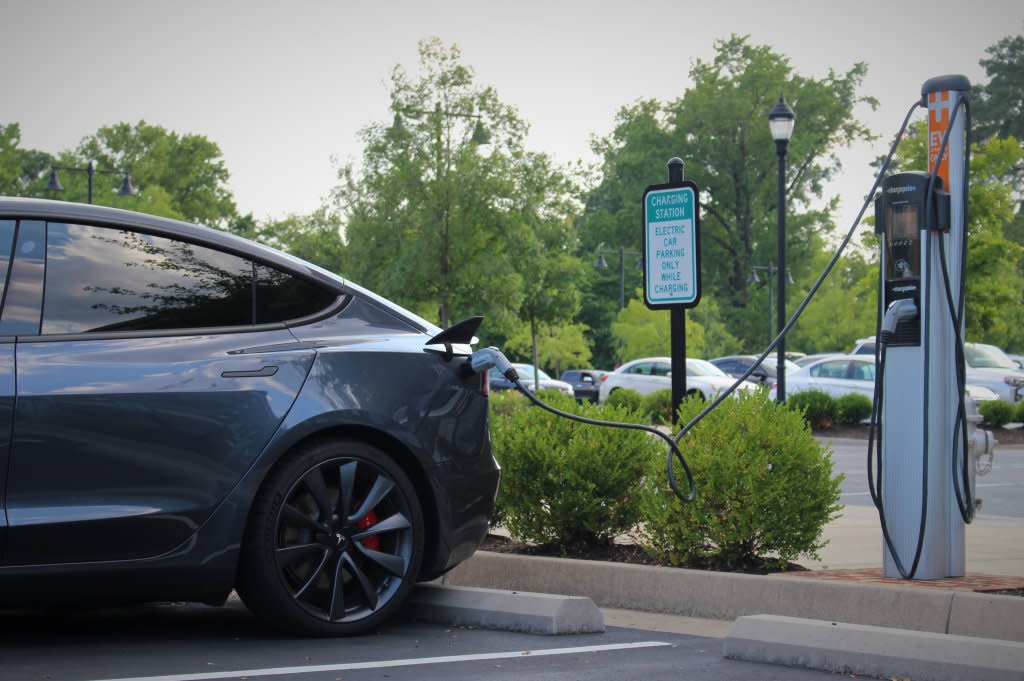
[650, 374]
[987, 367]
[839, 375]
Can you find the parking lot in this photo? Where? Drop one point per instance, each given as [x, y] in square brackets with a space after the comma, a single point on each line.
[196, 643]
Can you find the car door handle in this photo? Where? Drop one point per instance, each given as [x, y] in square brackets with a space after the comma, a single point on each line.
[261, 373]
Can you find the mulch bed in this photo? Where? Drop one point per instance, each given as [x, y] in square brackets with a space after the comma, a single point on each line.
[859, 431]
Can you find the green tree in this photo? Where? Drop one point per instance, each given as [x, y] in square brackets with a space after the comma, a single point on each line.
[999, 112]
[178, 175]
[843, 310]
[315, 237]
[719, 128]
[642, 332]
[21, 170]
[449, 214]
[559, 346]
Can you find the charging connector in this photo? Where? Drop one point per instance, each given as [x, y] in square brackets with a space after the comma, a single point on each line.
[898, 311]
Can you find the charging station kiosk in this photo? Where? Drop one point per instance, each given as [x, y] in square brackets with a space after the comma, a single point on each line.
[919, 511]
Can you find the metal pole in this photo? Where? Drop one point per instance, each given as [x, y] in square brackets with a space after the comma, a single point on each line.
[771, 307]
[90, 169]
[780, 395]
[677, 320]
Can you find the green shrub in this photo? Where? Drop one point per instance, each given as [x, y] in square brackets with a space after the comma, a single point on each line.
[624, 397]
[504, 402]
[659, 406]
[997, 413]
[1019, 416]
[765, 489]
[817, 406]
[565, 484]
[852, 408]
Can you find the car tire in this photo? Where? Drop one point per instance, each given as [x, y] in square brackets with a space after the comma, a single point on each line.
[334, 541]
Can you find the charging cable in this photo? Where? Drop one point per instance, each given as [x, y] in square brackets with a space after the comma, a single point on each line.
[493, 358]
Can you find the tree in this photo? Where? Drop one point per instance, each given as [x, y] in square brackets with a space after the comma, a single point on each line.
[719, 128]
[999, 104]
[448, 214]
[178, 175]
[20, 168]
[315, 237]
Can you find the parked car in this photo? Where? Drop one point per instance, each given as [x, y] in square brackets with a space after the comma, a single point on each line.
[525, 371]
[586, 383]
[840, 375]
[187, 412]
[986, 366]
[649, 374]
[810, 359]
[737, 365]
[837, 375]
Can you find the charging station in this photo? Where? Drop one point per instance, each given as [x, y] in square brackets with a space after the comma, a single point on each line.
[920, 346]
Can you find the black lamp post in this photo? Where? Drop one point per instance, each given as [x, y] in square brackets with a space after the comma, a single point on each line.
[602, 264]
[781, 120]
[770, 269]
[126, 188]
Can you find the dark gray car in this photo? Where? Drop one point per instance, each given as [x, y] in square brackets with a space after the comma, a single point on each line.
[185, 412]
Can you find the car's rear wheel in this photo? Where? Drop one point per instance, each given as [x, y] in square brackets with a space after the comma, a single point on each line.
[334, 541]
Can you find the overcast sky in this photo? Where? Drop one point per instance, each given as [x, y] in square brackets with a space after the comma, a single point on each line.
[284, 87]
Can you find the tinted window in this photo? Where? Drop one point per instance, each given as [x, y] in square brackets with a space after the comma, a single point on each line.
[25, 292]
[280, 296]
[833, 369]
[6, 244]
[100, 279]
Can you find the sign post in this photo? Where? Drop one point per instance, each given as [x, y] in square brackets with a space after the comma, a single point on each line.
[671, 235]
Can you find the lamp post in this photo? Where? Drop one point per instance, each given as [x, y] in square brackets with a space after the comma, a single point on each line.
[781, 120]
[602, 264]
[480, 136]
[126, 188]
[770, 269]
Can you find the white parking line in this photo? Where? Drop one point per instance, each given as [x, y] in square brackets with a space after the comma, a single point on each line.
[384, 664]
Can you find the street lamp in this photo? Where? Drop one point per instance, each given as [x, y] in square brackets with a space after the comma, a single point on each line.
[126, 188]
[602, 264]
[770, 269]
[480, 136]
[781, 120]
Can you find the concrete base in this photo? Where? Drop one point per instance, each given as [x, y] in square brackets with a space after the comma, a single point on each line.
[506, 610]
[872, 651]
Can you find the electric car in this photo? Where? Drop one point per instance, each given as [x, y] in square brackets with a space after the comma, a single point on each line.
[650, 374]
[186, 412]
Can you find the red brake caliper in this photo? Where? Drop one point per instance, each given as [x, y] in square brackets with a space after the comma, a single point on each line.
[369, 520]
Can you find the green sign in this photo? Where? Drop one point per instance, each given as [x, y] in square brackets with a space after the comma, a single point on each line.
[671, 246]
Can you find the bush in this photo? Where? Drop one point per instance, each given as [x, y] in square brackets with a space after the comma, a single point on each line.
[1019, 417]
[997, 413]
[765, 489]
[631, 400]
[567, 485]
[817, 406]
[852, 408]
[659, 406]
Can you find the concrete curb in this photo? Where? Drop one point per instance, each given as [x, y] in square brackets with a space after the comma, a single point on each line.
[722, 595]
[531, 613]
[872, 651]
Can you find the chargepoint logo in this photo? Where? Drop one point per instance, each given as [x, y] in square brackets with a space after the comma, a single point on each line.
[904, 289]
[905, 189]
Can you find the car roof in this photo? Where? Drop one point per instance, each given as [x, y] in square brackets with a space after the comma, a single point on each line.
[45, 209]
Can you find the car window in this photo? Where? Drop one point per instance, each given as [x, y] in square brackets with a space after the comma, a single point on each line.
[831, 369]
[102, 279]
[700, 367]
[23, 299]
[642, 369]
[862, 371]
[6, 246]
[279, 296]
[660, 369]
[980, 356]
